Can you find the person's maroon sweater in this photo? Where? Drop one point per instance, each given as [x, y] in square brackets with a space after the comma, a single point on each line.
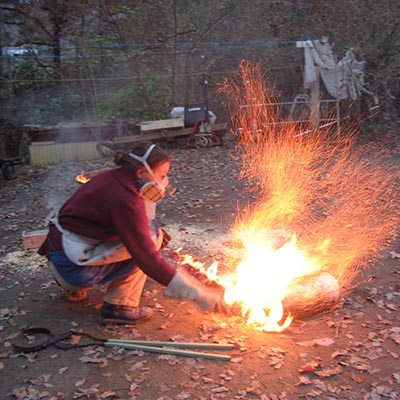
[109, 207]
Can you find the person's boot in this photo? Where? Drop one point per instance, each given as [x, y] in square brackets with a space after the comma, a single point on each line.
[124, 315]
[76, 295]
[73, 294]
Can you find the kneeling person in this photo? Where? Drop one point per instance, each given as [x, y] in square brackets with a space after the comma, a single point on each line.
[106, 233]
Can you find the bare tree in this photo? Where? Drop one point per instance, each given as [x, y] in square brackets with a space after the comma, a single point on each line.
[45, 23]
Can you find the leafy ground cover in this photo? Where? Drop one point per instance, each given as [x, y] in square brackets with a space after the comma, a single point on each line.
[349, 353]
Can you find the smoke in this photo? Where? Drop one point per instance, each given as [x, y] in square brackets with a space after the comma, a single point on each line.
[60, 184]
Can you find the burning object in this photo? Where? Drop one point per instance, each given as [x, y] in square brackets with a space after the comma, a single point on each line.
[85, 177]
[274, 280]
[322, 289]
[82, 178]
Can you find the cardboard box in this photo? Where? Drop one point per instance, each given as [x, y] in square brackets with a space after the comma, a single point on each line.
[33, 239]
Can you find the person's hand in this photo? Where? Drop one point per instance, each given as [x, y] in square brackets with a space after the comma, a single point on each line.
[166, 238]
[208, 299]
[185, 285]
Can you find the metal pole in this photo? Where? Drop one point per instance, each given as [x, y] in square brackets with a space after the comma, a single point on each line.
[338, 128]
[315, 98]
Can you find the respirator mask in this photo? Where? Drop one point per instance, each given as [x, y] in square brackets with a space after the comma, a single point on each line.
[151, 190]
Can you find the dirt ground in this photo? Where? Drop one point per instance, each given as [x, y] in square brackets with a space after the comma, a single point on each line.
[349, 353]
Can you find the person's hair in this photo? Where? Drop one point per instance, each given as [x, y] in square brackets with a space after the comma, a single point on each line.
[156, 157]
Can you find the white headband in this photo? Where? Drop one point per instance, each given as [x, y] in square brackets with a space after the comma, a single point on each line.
[143, 159]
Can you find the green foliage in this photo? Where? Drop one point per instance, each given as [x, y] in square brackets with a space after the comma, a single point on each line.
[127, 102]
[27, 75]
[122, 103]
[49, 107]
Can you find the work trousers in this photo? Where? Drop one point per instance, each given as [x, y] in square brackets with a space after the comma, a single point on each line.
[124, 291]
[124, 280]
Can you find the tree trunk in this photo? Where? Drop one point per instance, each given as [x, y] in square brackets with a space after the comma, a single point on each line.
[57, 54]
[145, 93]
[173, 63]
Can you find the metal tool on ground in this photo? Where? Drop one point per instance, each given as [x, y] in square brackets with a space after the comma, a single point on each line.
[74, 339]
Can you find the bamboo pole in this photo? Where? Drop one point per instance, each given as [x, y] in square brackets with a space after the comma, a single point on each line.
[202, 345]
[164, 350]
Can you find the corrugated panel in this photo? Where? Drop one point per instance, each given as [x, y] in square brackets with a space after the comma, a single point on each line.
[51, 153]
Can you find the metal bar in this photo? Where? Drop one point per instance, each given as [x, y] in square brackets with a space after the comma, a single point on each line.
[283, 102]
[310, 130]
[289, 122]
[175, 352]
[215, 346]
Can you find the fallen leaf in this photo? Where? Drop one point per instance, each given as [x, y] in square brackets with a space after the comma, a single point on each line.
[138, 366]
[109, 395]
[394, 254]
[182, 396]
[252, 390]
[4, 312]
[326, 373]
[309, 367]
[339, 353]
[358, 379]
[303, 380]
[319, 342]
[164, 325]
[93, 360]
[220, 389]
[397, 377]
[394, 334]
[314, 393]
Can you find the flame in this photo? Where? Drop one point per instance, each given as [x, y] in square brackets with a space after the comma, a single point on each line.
[81, 178]
[323, 210]
[261, 297]
[261, 279]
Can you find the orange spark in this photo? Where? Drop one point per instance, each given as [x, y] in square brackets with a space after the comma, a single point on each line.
[335, 205]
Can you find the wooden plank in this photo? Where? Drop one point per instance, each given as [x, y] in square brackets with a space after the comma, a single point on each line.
[161, 124]
[79, 125]
[169, 134]
[149, 136]
[42, 143]
[33, 239]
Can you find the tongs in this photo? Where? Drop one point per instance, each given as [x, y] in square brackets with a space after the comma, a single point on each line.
[68, 340]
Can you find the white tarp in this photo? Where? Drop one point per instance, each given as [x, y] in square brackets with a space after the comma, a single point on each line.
[343, 79]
